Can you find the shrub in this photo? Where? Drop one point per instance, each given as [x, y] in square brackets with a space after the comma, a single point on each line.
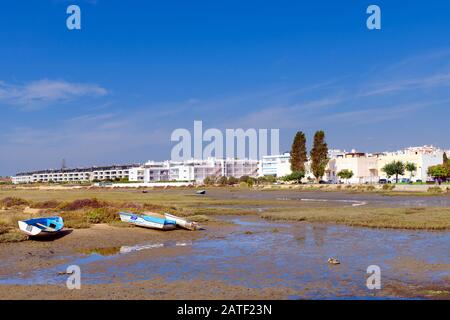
[13, 202]
[243, 184]
[388, 187]
[4, 228]
[80, 204]
[435, 190]
[102, 215]
[370, 188]
[232, 181]
[12, 236]
[50, 204]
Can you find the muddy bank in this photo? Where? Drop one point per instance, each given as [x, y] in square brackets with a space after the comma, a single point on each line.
[240, 258]
[44, 252]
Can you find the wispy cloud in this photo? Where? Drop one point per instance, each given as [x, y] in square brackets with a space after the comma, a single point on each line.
[44, 92]
[430, 82]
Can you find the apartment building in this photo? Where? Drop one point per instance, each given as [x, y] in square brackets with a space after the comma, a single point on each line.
[275, 165]
[74, 175]
[423, 157]
[366, 167]
[193, 170]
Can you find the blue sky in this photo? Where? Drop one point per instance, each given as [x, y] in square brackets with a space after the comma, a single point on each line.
[114, 91]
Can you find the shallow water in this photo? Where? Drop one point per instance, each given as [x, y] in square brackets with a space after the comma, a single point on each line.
[337, 198]
[259, 254]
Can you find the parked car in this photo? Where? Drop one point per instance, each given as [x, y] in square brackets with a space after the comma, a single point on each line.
[383, 181]
[405, 180]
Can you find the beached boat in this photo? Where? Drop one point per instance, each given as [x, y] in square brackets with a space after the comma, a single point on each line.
[183, 223]
[148, 221]
[33, 227]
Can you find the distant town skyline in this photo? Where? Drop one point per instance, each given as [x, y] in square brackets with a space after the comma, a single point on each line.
[114, 91]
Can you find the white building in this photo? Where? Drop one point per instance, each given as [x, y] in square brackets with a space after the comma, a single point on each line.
[367, 168]
[276, 165]
[364, 167]
[74, 175]
[423, 157]
[193, 170]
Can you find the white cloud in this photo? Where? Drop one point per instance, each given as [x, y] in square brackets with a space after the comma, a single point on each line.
[430, 82]
[43, 92]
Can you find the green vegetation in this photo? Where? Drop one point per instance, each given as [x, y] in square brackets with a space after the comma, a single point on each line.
[345, 174]
[11, 202]
[81, 208]
[433, 218]
[411, 168]
[319, 155]
[394, 168]
[439, 172]
[295, 176]
[435, 190]
[298, 153]
[388, 187]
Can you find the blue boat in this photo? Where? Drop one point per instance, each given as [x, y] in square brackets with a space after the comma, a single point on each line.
[147, 221]
[33, 227]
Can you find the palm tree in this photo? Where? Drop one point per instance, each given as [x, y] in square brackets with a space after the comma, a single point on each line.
[411, 168]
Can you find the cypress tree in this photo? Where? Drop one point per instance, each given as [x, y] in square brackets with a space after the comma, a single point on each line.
[445, 158]
[298, 152]
[319, 155]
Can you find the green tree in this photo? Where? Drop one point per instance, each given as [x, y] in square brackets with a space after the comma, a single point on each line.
[411, 168]
[445, 159]
[319, 155]
[438, 172]
[394, 168]
[298, 152]
[295, 176]
[345, 174]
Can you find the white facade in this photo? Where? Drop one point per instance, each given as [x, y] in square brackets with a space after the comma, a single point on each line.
[276, 165]
[423, 157]
[366, 168]
[74, 175]
[193, 170]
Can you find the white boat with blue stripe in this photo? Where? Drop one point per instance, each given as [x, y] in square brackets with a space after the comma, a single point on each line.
[33, 227]
[148, 221]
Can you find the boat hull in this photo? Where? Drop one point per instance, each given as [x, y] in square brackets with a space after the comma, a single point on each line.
[33, 227]
[147, 221]
[183, 223]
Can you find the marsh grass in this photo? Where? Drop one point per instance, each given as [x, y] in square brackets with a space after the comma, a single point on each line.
[8, 228]
[12, 202]
[81, 208]
[430, 218]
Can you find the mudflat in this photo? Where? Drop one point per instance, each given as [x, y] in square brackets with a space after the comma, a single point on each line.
[256, 245]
